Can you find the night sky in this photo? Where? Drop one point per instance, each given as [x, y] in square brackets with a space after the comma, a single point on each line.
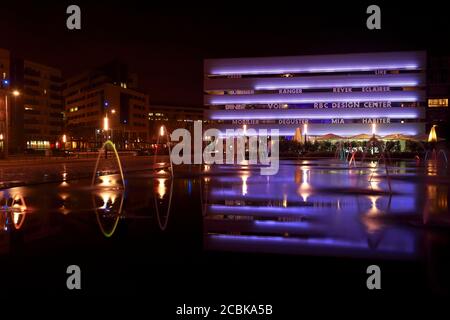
[165, 44]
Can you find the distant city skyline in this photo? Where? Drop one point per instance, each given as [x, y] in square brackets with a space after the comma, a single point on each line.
[166, 46]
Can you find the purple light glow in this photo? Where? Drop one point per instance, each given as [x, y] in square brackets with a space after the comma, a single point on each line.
[307, 82]
[263, 210]
[406, 247]
[316, 114]
[335, 85]
[393, 96]
[411, 60]
[355, 68]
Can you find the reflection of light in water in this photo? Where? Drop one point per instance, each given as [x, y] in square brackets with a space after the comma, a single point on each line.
[108, 198]
[64, 176]
[16, 216]
[431, 166]
[110, 208]
[206, 167]
[111, 191]
[107, 181]
[372, 224]
[15, 208]
[373, 206]
[19, 204]
[64, 196]
[161, 187]
[305, 188]
[244, 178]
[374, 183]
[285, 200]
[437, 195]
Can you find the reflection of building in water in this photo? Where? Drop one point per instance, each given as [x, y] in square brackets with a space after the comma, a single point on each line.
[437, 206]
[326, 219]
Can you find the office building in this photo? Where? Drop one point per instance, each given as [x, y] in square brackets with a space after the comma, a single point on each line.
[31, 99]
[381, 93]
[104, 103]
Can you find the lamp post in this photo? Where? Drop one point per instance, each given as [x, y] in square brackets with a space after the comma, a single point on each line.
[105, 129]
[305, 130]
[15, 94]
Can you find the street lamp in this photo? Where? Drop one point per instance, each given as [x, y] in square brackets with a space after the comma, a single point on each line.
[106, 123]
[15, 93]
[305, 130]
[105, 129]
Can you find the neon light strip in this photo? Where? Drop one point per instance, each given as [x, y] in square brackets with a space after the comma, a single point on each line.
[316, 114]
[355, 68]
[393, 96]
[261, 100]
[341, 84]
[325, 81]
[315, 117]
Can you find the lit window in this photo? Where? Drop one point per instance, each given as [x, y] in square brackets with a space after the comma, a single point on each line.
[437, 103]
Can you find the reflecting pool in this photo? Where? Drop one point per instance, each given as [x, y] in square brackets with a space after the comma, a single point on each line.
[215, 215]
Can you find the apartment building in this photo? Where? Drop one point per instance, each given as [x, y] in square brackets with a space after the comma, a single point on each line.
[104, 103]
[31, 104]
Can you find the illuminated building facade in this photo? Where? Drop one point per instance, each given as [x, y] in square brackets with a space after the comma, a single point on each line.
[36, 113]
[109, 91]
[345, 94]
